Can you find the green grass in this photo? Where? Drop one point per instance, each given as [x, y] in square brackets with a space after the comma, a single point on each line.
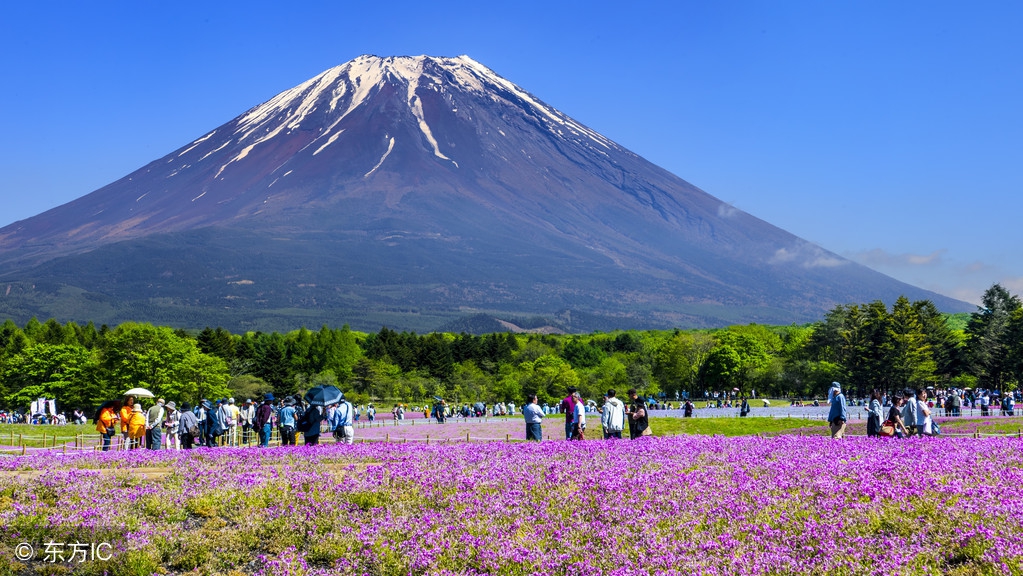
[735, 426]
[32, 436]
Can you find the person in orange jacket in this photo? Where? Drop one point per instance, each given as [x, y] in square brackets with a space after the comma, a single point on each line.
[136, 427]
[126, 410]
[106, 422]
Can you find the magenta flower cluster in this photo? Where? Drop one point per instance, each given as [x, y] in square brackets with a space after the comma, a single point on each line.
[684, 505]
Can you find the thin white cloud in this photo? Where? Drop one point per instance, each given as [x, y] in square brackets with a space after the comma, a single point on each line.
[727, 210]
[807, 256]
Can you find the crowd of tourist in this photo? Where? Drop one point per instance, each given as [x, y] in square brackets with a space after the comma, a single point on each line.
[615, 415]
[215, 423]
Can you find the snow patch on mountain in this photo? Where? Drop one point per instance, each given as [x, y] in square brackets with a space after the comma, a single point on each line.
[390, 146]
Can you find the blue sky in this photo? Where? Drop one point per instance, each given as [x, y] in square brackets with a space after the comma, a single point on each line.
[887, 132]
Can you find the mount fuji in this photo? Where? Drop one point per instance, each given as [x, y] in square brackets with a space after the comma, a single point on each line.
[421, 193]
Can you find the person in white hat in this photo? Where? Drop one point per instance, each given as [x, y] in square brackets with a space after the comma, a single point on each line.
[233, 415]
[170, 427]
[838, 415]
[246, 414]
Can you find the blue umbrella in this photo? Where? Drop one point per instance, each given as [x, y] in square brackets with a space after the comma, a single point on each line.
[323, 395]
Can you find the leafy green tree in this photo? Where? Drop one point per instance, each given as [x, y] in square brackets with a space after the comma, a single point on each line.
[611, 373]
[198, 376]
[723, 368]
[143, 355]
[474, 384]
[34, 330]
[247, 386]
[907, 353]
[582, 354]
[435, 356]
[986, 334]
[65, 372]
[298, 346]
[374, 378]
[217, 342]
[678, 361]
[271, 362]
[12, 339]
[163, 361]
[947, 344]
[550, 376]
[337, 351]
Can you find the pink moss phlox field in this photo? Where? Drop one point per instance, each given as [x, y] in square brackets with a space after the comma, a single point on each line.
[683, 505]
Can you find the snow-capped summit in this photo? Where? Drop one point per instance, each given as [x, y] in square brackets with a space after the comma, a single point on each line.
[425, 185]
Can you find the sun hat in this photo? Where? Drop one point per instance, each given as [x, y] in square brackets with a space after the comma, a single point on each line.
[171, 405]
[269, 397]
[136, 408]
[230, 400]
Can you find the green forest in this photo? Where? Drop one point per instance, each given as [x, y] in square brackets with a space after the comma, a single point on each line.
[861, 345]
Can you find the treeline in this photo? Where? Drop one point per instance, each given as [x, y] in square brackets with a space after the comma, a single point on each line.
[861, 345]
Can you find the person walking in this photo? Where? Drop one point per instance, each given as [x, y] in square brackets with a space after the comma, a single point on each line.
[639, 421]
[310, 425]
[838, 415]
[744, 408]
[874, 414]
[187, 423]
[895, 415]
[567, 407]
[612, 417]
[261, 421]
[923, 414]
[578, 417]
[909, 411]
[533, 415]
